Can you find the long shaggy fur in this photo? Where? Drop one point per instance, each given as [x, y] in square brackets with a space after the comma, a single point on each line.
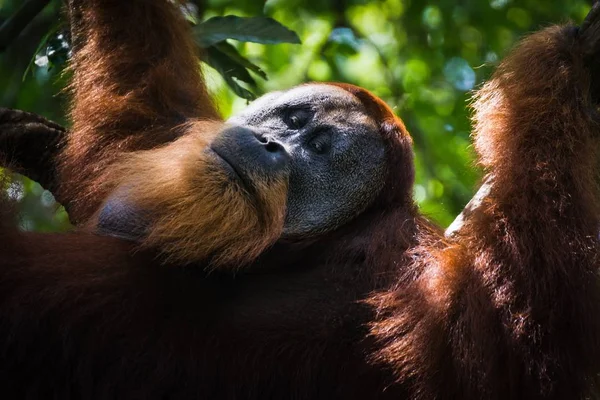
[507, 308]
[195, 213]
[128, 94]
[383, 307]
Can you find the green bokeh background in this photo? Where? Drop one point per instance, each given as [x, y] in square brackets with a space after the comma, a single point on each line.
[423, 58]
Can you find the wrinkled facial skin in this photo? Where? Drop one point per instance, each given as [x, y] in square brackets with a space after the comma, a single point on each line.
[336, 154]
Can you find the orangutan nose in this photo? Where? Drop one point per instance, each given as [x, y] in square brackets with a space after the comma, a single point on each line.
[251, 153]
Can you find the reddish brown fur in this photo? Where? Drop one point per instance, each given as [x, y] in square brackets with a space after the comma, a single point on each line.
[129, 94]
[384, 307]
[193, 210]
[507, 309]
[134, 95]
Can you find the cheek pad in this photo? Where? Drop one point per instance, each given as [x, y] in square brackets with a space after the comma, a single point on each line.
[120, 219]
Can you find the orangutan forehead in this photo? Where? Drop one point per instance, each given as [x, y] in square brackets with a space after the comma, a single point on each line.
[319, 94]
[314, 96]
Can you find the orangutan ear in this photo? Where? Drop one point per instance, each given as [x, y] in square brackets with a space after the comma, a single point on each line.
[120, 218]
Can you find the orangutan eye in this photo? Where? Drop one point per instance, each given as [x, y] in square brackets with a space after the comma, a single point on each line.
[297, 118]
[320, 144]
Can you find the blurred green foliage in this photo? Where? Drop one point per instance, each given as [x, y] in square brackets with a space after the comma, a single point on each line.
[423, 58]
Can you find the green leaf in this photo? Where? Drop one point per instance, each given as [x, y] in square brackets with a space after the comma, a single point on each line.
[238, 89]
[57, 52]
[54, 29]
[226, 66]
[230, 70]
[232, 53]
[252, 29]
[343, 41]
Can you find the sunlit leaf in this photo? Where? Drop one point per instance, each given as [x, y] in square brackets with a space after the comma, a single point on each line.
[235, 56]
[230, 70]
[239, 89]
[227, 66]
[251, 29]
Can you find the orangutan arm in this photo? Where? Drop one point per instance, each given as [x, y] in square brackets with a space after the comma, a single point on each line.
[507, 306]
[135, 79]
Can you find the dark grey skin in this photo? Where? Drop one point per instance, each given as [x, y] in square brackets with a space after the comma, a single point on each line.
[336, 154]
[319, 136]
